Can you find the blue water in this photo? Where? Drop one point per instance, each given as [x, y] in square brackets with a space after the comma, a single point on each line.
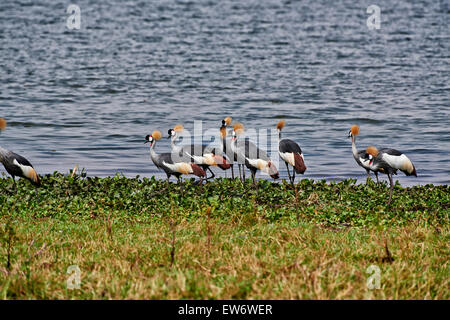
[90, 96]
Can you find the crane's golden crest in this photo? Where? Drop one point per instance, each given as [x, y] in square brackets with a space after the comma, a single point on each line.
[355, 130]
[228, 121]
[2, 124]
[223, 132]
[178, 128]
[373, 151]
[156, 135]
[280, 124]
[238, 128]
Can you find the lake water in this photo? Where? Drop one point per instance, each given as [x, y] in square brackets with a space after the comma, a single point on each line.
[90, 96]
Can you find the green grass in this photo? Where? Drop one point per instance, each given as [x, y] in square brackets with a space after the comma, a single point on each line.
[132, 239]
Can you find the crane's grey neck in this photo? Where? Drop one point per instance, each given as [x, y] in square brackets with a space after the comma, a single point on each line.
[233, 144]
[226, 144]
[4, 154]
[153, 154]
[172, 142]
[354, 150]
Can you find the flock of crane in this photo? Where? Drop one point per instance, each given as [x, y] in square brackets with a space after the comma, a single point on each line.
[197, 159]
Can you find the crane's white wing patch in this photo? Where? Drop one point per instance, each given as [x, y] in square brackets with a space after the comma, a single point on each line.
[181, 167]
[26, 170]
[401, 162]
[396, 162]
[288, 157]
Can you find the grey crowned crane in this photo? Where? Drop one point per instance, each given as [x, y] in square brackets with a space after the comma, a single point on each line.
[203, 155]
[359, 155]
[170, 166]
[16, 165]
[226, 146]
[291, 153]
[254, 158]
[388, 161]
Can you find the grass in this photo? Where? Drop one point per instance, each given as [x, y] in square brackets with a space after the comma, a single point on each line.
[133, 240]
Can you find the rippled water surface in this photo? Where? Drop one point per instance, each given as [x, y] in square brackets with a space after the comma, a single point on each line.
[90, 96]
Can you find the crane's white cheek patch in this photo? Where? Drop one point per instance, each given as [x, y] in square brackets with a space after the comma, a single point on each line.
[367, 164]
[288, 157]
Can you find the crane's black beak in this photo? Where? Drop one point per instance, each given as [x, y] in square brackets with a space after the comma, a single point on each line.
[168, 137]
[145, 141]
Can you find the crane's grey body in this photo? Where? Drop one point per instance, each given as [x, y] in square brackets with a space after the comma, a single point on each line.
[160, 158]
[18, 166]
[250, 155]
[383, 163]
[388, 161]
[287, 145]
[291, 153]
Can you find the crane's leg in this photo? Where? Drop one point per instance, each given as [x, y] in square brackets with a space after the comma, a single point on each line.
[368, 176]
[376, 175]
[293, 176]
[243, 172]
[212, 174]
[289, 174]
[200, 179]
[392, 188]
[15, 186]
[253, 177]
[232, 172]
[168, 177]
[180, 184]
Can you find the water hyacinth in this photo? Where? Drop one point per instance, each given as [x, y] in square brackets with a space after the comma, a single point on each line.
[222, 240]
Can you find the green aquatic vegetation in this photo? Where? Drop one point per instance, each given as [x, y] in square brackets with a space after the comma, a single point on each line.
[344, 202]
[132, 238]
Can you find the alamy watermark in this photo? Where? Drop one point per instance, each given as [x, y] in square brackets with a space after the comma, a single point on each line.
[74, 280]
[74, 20]
[374, 20]
[374, 280]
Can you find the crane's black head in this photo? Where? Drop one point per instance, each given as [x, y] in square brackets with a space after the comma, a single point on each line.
[368, 157]
[149, 138]
[226, 122]
[171, 133]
